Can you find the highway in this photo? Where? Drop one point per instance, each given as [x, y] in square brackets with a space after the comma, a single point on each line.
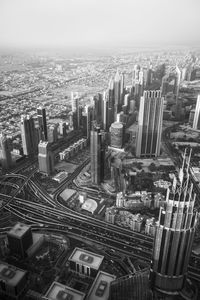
[48, 213]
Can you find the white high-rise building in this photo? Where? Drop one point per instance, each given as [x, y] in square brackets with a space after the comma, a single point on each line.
[196, 122]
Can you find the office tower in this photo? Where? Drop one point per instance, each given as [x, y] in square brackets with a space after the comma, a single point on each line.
[116, 135]
[74, 101]
[45, 158]
[76, 110]
[150, 124]
[20, 239]
[135, 76]
[71, 125]
[52, 133]
[138, 81]
[98, 108]
[191, 117]
[174, 235]
[165, 85]
[122, 89]
[177, 82]
[131, 287]
[105, 112]
[63, 129]
[126, 100]
[5, 153]
[87, 120]
[117, 93]
[97, 150]
[41, 114]
[28, 133]
[196, 122]
[148, 76]
[111, 102]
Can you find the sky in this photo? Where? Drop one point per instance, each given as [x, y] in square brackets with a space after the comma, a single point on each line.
[98, 23]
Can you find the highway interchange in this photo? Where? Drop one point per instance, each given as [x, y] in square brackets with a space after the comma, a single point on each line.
[46, 213]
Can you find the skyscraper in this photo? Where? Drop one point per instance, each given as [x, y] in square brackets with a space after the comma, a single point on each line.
[76, 110]
[5, 155]
[150, 124]
[177, 82]
[87, 120]
[41, 114]
[28, 133]
[52, 133]
[45, 158]
[97, 150]
[117, 93]
[111, 102]
[98, 108]
[138, 81]
[174, 236]
[196, 122]
[116, 135]
[105, 111]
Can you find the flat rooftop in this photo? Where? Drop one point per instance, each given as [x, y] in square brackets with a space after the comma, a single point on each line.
[67, 194]
[100, 287]
[58, 291]
[19, 230]
[86, 258]
[10, 274]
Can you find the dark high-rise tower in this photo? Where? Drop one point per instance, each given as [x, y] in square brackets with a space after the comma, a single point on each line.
[97, 149]
[28, 133]
[150, 124]
[87, 120]
[98, 108]
[174, 236]
[5, 155]
[41, 114]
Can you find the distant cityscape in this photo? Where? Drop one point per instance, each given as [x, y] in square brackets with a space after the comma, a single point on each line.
[100, 175]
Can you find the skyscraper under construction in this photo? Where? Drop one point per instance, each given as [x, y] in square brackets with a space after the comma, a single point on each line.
[174, 236]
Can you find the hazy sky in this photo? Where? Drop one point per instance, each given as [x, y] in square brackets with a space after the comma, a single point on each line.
[100, 23]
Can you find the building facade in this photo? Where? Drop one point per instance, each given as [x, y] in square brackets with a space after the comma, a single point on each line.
[174, 237]
[5, 153]
[45, 158]
[97, 150]
[41, 114]
[150, 124]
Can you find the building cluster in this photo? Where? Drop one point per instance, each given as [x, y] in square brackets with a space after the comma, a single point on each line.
[74, 148]
[124, 218]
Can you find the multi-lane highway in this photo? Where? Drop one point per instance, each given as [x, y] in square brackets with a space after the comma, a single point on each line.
[46, 212]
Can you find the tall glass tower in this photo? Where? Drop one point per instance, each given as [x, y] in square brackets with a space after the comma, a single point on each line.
[174, 235]
[150, 124]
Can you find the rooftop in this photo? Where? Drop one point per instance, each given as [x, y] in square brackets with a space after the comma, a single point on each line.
[87, 258]
[58, 291]
[10, 274]
[100, 287]
[19, 230]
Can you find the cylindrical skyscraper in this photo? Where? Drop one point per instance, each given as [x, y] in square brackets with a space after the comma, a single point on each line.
[116, 135]
[174, 237]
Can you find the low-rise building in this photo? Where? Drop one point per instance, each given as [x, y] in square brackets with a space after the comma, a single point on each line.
[101, 286]
[13, 281]
[58, 291]
[85, 262]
